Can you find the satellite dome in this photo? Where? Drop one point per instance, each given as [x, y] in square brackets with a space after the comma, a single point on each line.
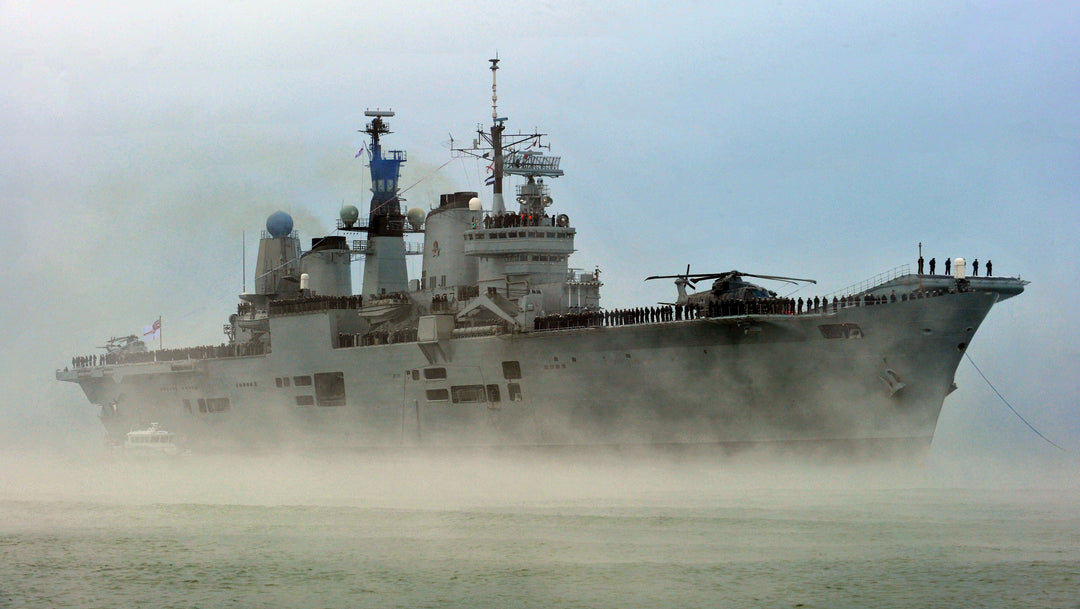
[475, 204]
[349, 215]
[279, 224]
[416, 217]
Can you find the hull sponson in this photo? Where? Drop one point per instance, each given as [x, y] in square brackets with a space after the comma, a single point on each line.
[867, 375]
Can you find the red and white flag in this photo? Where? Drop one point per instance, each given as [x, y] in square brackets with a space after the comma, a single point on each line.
[153, 331]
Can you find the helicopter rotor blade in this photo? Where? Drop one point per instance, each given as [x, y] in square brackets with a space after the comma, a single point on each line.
[779, 278]
[696, 277]
[685, 275]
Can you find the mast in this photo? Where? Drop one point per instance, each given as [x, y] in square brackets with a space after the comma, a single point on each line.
[385, 170]
[511, 154]
[384, 255]
[497, 126]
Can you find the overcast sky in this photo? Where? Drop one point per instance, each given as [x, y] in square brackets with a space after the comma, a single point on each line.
[813, 139]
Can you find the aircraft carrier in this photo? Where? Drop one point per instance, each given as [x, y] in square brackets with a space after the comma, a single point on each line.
[501, 343]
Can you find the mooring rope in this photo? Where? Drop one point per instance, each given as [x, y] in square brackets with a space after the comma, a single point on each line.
[1018, 415]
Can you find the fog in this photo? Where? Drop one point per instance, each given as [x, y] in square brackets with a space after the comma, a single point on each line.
[448, 480]
[138, 147]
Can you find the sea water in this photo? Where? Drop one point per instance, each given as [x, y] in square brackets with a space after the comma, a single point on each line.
[527, 531]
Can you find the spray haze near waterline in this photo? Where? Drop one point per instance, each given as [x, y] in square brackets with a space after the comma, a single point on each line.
[496, 479]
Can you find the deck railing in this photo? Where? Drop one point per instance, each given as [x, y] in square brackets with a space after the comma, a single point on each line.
[876, 280]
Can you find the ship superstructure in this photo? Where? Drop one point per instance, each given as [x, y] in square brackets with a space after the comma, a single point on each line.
[500, 341]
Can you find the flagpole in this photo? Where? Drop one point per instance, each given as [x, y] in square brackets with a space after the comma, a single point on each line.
[161, 334]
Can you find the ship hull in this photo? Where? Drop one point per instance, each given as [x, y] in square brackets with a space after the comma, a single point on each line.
[864, 377]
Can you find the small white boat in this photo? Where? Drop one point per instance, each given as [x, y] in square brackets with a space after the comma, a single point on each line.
[153, 441]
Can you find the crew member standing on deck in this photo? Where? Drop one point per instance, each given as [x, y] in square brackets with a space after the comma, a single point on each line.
[975, 268]
[948, 263]
[920, 264]
[989, 265]
[933, 263]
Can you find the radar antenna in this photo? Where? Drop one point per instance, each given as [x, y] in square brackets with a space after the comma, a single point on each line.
[519, 154]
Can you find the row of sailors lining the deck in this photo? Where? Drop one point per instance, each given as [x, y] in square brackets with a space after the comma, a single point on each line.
[844, 302]
[645, 315]
[722, 308]
[615, 317]
[315, 303]
[170, 355]
[514, 220]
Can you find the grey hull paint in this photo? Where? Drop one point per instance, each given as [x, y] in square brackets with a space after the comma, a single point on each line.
[735, 381]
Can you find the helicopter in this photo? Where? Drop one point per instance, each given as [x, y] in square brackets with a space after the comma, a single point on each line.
[725, 286]
[124, 344]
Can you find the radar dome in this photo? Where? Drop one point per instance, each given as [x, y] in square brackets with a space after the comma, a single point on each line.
[415, 216]
[475, 205]
[279, 224]
[349, 215]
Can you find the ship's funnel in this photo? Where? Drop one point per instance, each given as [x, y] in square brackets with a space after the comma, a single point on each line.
[325, 268]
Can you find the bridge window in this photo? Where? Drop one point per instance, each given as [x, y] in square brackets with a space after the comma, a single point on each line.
[514, 391]
[438, 395]
[432, 374]
[305, 400]
[302, 381]
[493, 393]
